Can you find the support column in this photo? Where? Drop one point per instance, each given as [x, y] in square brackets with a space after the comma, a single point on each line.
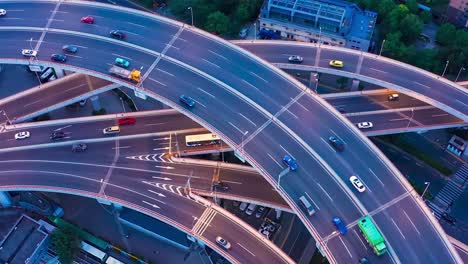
[102, 201]
[96, 103]
[278, 213]
[355, 85]
[5, 199]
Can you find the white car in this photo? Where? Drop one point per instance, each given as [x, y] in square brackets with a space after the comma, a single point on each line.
[29, 53]
[2, 12]
[356, 182]
[365, 125]
[22, 135]
[223, 242]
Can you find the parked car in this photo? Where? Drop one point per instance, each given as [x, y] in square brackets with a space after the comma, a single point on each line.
[288, 160]
[235, 203]
[57, 135]
[87, 20]
[393, 97]
[79, 147]
[450, 219]
[58, 57]
[336, 143]
[356, 182]
[220, 186]
[2, 12]
[111, 130]
[22, 135]
[187, 100]
[336, 63]
[295, 59]
[250, 209]
[122, 63]
[70, 48]
[340, 225]
[365, 125]
[29, 53]
[243, 33]
[340, 109]
[117, 34]
[260, 211]
[126, 121]
[243, 206]
[223, 242]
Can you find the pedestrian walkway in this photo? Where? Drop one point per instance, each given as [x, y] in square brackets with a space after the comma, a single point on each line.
[450, 193]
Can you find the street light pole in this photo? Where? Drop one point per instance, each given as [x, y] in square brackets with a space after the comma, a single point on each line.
[191, 13]
[458, 75]
[381, 47]
[255, 31]
[445, 69]
[411, 118]
[320, 36]
[425, 189]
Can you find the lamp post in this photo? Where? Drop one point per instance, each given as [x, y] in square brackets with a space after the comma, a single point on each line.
[445, 69]
[191, 13]
[381, 47]
[320, 36]
[425, 189]
[458, 75]
[255, 31]
[411, 118]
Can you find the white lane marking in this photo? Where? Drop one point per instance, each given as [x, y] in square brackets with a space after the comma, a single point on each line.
[328, 144]
[20, 10]
[150, 204]
[411, 222]
[345, 246]
[62, 12]
[359, 237]
[439, 115]
[285, 150]
[124, 147]
[246, 249]
[211, 63]
[376, 177]
[374, 69]
[165, 138]
[406, 157]
[258, 76]
[74, 56]
[421, 84]
[198, 102]
[242, 132]
[302, 106]
[161, 148]
[329, 197]
[83, 47]
[58, 20]
[460, 102]
[75, 87]
[246, 82]
[32, 103]
[419, 164]
[398, 119]
[157, 81]
[163, 71]
[157, 193]
[155, 124]
[271, 157]
[207, 93]
[310, 198]
[138, 25]
[295, 116]
[398, 228]
[217, 54]
[247, 119]
[120, 56]
[234, 182]
[12, 18]
[336, 135]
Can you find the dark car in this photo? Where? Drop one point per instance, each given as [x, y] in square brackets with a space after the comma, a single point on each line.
[364, 261]
[79, 147]
[117, 34]
[70, 48]
[187, 100]
[336, 143]
[58, 57]
[57, 135]
[450, 219]
[340, 225]
[340, 109]
[220, 186]
[288, 160]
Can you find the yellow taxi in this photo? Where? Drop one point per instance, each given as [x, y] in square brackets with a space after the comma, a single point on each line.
[336, 63]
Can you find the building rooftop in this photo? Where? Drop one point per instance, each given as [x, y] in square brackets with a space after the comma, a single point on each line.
[24, 238]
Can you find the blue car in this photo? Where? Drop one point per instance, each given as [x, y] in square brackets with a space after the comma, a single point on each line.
[290, 162]
[187, 100]
[121, 62]
[340, 225]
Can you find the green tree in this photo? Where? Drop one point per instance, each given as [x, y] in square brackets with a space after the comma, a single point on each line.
[410, 27]
[342, 81]
[446, 34]
[426, 17]
[394, 47]
[66, 243]
[395, 17]
[217, 22]
[412, 6]
[385, 7]
[426, 59]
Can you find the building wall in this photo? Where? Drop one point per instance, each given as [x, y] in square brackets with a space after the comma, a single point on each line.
[457, 13]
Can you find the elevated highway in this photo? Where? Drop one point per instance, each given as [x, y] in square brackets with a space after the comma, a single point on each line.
[248, 107]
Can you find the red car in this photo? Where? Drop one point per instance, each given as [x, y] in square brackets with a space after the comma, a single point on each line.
[87, 20]
[127, 121]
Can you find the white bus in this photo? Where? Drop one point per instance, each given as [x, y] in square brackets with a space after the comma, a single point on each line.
[93, 251]
[202, 140]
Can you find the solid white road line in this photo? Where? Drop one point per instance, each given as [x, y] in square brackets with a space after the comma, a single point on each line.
[217, 54]
[198, 102]
[240, 131]
[207, 93]
[374, 69]
[213, 64]
[376, 177]
[360, 239]
[258, 76]
[121, 56]
[250, 121]
[163, 71]
[157, 81]
[329, 197]
[271, 157]
[345, 247]
[398, 228]
[246, 249]
[409, 219]
[310, 198]
[124, 147]
[439, 115]
[328, 144]
[150, 204]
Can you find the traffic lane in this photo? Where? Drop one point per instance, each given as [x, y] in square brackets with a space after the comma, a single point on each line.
[405, 226]
[141, 30]
[417, 82]
[250, 184]
[29, 14]
[383, 121]
[250, 78]
[310, 179]
[316, 127]
[435, 116]
[245, 247]
[14, 41]
[280, 53]
[350, 60]
[90, 54]
[353, 246]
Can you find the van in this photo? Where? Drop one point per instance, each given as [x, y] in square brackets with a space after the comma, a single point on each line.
[306, 205]
[250, 209]
[111, 130]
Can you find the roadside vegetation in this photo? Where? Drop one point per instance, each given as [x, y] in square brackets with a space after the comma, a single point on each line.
[66, 243]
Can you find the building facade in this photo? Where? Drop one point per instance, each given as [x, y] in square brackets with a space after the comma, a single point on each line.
[332, 22]
[457, 13]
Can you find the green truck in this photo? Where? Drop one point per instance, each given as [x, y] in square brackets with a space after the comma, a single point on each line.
[372, 235]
